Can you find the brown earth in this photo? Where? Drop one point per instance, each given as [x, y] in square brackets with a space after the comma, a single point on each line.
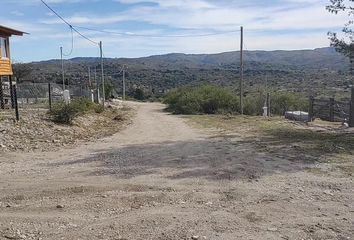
[160, 178]
[37, 132]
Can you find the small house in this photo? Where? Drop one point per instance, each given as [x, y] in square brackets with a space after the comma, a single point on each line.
[5, 56]
[5, 64]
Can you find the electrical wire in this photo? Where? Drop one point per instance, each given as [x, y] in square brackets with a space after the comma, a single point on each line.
[67, 23]
[156, 36]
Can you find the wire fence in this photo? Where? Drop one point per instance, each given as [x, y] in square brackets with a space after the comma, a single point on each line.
[26, 97]
[332, 110]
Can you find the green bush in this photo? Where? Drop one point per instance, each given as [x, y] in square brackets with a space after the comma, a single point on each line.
[211, 99]
[206, 99]
[253, 104]
[66, 113]
[285, 101]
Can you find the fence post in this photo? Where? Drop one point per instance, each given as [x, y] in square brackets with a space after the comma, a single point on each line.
[50, 96]
[311, 103]
[2, 102]
[16, 103]
[331, 109]
[11, 93]
[268, 104]
[351, 112]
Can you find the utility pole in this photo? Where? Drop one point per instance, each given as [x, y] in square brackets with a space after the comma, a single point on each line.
[102, 74]
[241, 73]
[89, 78]
[97, 85]
[123, 82]
[62, 67]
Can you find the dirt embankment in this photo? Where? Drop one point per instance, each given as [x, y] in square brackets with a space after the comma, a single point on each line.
[161, 179]
[36, 132]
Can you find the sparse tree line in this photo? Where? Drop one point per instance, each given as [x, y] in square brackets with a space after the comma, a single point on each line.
[211, 99]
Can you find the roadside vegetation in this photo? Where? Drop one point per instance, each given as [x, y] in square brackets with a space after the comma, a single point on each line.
[65, 113]
[206, 99]
[211, 99]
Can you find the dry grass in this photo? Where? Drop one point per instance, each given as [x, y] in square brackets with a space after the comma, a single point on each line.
[321, 141]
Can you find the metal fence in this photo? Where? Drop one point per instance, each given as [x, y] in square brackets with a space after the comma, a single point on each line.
[18, 98]
[332, 110]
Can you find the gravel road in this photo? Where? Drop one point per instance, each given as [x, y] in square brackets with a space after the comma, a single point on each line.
[162, 179]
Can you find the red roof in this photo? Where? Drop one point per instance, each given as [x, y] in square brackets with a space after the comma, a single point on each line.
[9, 31]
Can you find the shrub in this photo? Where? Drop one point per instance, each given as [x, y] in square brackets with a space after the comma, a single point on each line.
[98, 108]
[285, 101]
[139, 94]
[66, 113]
[253, 105]
[211, 99]
[206, 99]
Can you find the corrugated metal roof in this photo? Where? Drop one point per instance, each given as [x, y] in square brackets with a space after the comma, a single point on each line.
[9, 31]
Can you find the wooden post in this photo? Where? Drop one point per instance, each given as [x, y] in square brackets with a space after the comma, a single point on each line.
[16, 103]
[11, 93]
[331, 109]
[2, 103]
[50, 96]
[351, 112]
[311, 103]
[241, 72]
[268, 105]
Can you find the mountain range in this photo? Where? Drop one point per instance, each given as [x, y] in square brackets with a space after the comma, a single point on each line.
[321, 71]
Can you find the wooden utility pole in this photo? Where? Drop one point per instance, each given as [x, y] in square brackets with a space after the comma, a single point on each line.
[102, 75]
[123, 82]
[89, 80]
[268, 105]
[50, 96]
[241, 73]
[62, 67]
[351, 113]
[311, 113]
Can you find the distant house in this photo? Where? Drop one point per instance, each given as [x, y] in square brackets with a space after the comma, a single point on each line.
[5, 63]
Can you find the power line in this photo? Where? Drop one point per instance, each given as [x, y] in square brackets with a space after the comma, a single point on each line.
[156, 36]
[67, 23]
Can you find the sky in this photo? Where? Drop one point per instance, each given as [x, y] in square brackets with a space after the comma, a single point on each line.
[153, 27]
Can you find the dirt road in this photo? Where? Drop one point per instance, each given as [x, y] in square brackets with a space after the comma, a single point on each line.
[162, 179]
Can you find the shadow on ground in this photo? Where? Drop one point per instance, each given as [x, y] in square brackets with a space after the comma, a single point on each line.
[213, 159]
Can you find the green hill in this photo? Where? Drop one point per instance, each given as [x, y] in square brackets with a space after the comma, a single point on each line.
[319, 71]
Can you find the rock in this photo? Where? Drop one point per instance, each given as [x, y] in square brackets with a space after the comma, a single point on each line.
[60, 206]
[195, 237]
[272, 229]
[328, 192]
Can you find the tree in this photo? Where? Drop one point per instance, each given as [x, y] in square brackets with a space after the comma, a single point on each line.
[21, 71]
[139, 94]
[108, 90]
[344, 45]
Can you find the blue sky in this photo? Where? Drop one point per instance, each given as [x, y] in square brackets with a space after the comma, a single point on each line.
[269, 25]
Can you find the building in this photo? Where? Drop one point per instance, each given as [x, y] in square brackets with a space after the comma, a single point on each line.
[5, 63]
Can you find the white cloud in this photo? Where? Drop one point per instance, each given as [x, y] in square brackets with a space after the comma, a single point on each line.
[292, 24]
[17, 13]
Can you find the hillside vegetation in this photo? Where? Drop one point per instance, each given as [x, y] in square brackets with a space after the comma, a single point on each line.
[311, 72]
[211, 99]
